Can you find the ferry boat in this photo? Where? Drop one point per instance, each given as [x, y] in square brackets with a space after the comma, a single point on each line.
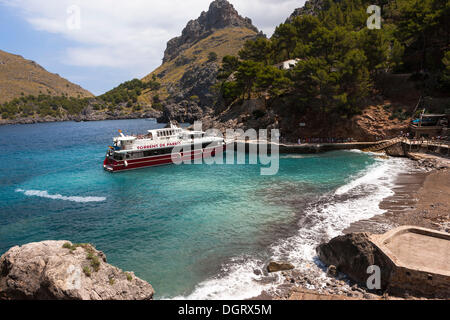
[155, 148]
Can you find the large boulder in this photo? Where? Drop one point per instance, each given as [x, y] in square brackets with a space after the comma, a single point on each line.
[396, 150]
[275, 266]
[183, 112]
[60, 270]
[197, 81]
[352, 254]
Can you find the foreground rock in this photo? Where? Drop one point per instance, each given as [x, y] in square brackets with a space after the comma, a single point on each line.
[409, 260]
[352, 254]
[279, 266]
[60, 270]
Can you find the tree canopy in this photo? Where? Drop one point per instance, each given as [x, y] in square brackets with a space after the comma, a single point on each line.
[339, 58]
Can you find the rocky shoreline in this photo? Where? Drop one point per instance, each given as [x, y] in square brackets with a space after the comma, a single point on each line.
[87, 115]
[428, 188]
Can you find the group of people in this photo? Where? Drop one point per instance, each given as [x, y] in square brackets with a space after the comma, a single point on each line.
[324, 140]
[407, 135]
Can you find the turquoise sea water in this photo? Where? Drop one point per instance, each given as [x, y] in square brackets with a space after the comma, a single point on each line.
[178, 227]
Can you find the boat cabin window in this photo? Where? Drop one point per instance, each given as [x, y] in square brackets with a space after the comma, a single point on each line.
[118, 156]
[134, 155]
[152, 153]
[167, 133]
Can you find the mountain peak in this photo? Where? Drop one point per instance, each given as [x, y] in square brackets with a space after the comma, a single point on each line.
[311, 7]
[221, 14]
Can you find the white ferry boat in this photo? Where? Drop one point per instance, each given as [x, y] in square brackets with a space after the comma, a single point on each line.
[156, 148]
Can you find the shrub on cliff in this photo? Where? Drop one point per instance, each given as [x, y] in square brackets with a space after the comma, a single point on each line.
[212, 57]
[129, 91]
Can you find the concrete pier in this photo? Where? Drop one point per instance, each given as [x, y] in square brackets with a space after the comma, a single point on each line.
[421, 259]
[402, 144]
[306, 148]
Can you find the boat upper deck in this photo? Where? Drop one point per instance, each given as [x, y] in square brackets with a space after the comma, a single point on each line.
[160, 139]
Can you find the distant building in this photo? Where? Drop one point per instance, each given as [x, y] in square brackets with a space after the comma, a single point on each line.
[430, 125]
[288, 64]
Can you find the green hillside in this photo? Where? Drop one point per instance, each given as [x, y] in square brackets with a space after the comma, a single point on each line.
[20, 77]
[222, 42]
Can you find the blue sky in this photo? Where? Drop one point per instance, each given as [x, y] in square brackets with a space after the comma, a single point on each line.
[100, 43]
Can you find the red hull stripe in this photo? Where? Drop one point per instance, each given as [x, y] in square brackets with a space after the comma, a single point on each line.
[158, 160]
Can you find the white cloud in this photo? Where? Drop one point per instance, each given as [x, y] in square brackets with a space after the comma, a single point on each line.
[133, 34]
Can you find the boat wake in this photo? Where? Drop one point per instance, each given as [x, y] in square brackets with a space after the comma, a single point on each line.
[45, 194]
[324, 219]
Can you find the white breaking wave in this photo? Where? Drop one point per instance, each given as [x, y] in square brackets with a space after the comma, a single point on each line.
[366, 152]
[292, 156]
[239, 282]
[377, 171]
[45, 194]
[355, 151]
[357, 200]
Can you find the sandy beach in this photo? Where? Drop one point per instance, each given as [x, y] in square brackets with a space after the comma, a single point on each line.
[433, 205]
[421, 198]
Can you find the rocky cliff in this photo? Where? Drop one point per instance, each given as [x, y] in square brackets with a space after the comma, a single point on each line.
[192, 61]
[60, 270]
[221, 15]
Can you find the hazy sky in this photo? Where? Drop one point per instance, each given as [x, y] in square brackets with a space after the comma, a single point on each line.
[113, 40]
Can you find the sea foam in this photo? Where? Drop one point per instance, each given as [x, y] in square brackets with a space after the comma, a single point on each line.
[359, 199]
[45, 194]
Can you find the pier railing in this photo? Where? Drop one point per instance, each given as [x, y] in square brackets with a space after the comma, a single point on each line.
[437, 146]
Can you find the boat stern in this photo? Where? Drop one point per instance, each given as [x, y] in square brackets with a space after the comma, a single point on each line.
[107, 166]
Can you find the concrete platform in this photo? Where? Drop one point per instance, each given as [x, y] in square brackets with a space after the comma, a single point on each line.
[421, 259]
[421, 251]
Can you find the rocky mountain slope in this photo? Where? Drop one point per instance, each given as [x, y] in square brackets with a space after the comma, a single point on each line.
[384, 112]
[192, 61]
[221, 15]
[21, 77]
